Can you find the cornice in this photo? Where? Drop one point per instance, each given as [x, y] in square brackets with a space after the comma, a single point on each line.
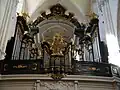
[67, 78]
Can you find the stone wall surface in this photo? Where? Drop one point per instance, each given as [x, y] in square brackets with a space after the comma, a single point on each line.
[68, 83]
[16, 85]
[53, 85]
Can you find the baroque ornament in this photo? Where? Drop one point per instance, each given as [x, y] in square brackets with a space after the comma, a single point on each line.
[56, 12]
[58, 45]
[56, 50]
[57, 76]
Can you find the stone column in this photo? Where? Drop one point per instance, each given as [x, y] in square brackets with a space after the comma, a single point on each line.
[98, 5]
[76, 85]
[4, 4]
[35, 86]
[70, 56]
[110, 31]
[38, 85]
[8, 24]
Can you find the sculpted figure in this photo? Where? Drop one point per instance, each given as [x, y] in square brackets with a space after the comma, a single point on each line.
[58, 45]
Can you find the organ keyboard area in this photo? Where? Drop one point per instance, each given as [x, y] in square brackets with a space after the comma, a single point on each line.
[82, 53]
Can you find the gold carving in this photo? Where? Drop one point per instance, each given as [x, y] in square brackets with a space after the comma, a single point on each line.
[25, 14]
[56, 12]
[58, 45]
[20, 66]
[34, 67]
[92, 15]
[57, 76]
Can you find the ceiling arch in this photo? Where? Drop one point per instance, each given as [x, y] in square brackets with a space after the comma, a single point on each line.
[47, 29]
[78, 7]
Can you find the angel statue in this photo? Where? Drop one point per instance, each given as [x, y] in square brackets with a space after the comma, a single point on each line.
[58, 45]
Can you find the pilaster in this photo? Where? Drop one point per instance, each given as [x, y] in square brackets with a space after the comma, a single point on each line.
[38, 85]
[110, 31]
[8, 25]
[3, 23]
[76, 85]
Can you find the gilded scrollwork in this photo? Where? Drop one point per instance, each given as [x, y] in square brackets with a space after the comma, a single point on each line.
[56, 12]
[58, 45]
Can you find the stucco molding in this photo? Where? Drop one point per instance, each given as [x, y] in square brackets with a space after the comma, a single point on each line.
[67, 78]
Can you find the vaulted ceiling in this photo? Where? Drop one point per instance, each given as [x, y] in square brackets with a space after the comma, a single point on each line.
[78, 7]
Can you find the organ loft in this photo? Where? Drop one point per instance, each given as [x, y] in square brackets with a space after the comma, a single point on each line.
[59, 45]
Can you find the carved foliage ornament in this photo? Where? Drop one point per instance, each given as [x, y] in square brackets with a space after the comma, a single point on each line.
[58, 44]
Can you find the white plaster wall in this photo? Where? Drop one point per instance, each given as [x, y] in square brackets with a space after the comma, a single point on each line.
[95, 86]
[83, 5]
[16, 85]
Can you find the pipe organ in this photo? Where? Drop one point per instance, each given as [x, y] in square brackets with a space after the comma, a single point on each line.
[58, 44]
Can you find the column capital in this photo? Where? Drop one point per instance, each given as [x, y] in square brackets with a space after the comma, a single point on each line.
[76, 85]
[37, 81]
[75, 82]
[37, 84]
